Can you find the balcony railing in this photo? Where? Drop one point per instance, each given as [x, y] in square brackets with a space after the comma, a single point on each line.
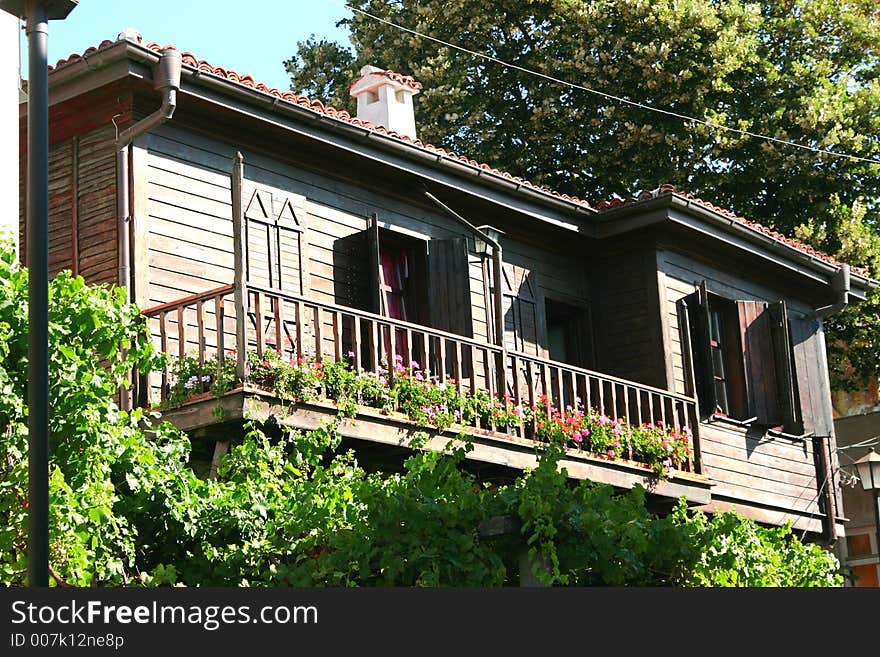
[206, 326]
[233, 320]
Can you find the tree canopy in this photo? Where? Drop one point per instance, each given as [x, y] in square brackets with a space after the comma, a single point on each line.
[806, 71]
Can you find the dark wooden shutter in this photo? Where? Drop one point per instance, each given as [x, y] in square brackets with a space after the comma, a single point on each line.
[759, 363]
[785, 380]
[813, 390]
[698, 323]
[522, 320]
[374, 275]
[449, 286]
[356, 268]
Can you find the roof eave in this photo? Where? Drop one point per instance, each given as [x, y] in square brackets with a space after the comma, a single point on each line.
[71, 79]
[826, 270]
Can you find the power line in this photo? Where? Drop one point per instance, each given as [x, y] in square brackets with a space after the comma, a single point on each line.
[683, 117]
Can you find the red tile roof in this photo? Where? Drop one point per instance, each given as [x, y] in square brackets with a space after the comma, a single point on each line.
[670, 190]
[317, 106]
[406, 80]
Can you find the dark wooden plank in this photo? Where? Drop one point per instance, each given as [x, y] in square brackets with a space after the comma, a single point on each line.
[812, 379]
[200, 321]
[258, 316]
[448, 288]
[239, 238]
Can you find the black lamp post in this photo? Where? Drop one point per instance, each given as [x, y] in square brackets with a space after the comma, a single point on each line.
[869, 474]
[38, 13]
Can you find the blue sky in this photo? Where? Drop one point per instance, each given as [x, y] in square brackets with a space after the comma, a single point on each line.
[252, 36]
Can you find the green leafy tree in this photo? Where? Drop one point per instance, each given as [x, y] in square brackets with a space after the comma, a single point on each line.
[95, 340]
[806, 71]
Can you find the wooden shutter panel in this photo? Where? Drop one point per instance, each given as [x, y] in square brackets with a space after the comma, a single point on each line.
[759, 363]
[522, 321]
[698, 323]
[813, 389]
[785, 381]
[449, 286]
[356, 268]
[374, 274]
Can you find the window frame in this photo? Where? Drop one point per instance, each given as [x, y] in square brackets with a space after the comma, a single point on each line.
[756, 364]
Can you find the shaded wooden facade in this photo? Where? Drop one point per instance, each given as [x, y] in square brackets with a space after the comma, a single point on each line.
[341, 239]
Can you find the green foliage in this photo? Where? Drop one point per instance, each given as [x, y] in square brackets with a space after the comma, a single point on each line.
[806, 71]
[296, 509]
[95, 340]
[585, 534]
[735, 551]
[190, 378]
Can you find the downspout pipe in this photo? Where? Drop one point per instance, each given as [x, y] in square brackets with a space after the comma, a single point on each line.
[840, 286]
[167, 78]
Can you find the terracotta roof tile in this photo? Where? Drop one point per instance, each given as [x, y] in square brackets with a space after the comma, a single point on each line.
[670, 190]
[341, 115]
[317, 106]
[406, 80]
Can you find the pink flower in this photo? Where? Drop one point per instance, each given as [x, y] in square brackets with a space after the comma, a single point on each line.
[577, 438]
[611, 453]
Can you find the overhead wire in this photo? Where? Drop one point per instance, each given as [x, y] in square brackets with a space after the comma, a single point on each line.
[607, 96]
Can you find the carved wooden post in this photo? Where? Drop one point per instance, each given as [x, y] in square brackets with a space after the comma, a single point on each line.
[239, 239]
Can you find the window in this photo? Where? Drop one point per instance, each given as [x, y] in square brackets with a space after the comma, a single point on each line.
[401, 278]
[568, 336]
[404, 277]
[726, 364]
[754, 363]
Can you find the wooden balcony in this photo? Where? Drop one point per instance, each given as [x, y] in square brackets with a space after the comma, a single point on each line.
[230, 321]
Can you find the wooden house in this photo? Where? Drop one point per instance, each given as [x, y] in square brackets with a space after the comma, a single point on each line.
[243, 218]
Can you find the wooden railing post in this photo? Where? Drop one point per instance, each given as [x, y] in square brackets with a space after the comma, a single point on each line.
[239, 239]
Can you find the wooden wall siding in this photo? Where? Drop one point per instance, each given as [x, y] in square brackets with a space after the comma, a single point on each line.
[190, 233]
[771, 472]
[764, 472]
[96, 215]
[628, 334]
[82, 194]
[82, 206]
[61, 202]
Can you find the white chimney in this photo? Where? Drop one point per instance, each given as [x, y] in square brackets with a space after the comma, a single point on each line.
[385, 98]
[10, 86]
